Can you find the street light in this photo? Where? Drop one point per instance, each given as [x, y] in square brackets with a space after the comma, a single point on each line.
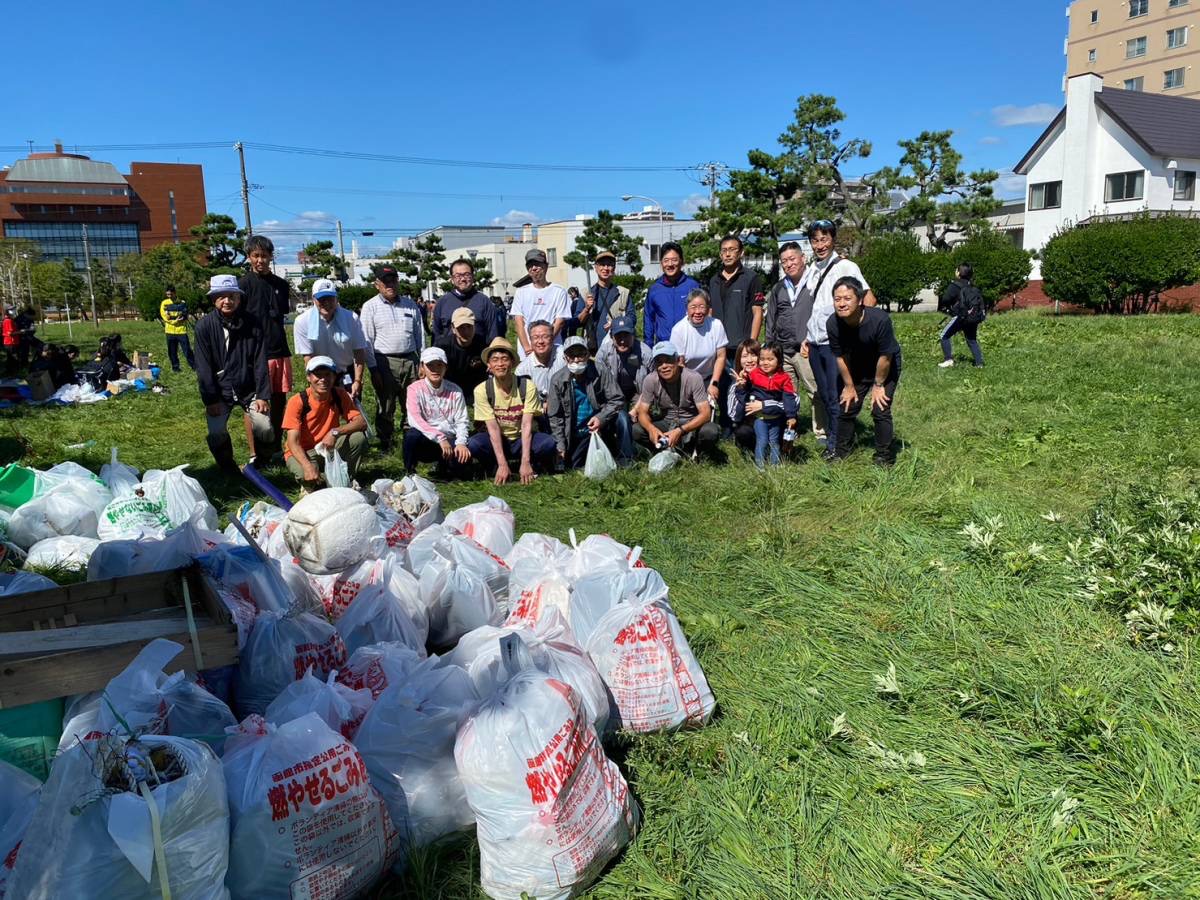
[661, 226]
[28, 278]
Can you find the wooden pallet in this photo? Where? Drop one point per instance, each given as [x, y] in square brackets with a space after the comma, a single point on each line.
[74, 639]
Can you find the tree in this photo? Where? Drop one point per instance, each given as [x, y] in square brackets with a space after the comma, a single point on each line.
[17, 258]
[57, 284]
[420, 265]
[947, 201]
[896, 268]
[168, 264]
[1121, 267]
[484, 278]
[103, 287]
[222, 243]
[604, 232]
[320, 261]
[148, 298]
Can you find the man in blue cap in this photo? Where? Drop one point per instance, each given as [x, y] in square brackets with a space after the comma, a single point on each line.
[673, 410]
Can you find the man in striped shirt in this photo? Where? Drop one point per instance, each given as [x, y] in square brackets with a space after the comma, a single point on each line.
[395, 329]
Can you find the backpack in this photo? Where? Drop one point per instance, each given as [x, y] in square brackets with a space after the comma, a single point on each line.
[490, 388]
[970, 306]
[305, 407]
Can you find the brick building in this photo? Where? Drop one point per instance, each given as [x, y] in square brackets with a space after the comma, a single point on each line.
[54, 198]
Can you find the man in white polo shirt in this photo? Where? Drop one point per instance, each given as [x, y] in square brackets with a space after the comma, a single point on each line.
[395, 328]
[539, 301]
[329, 330]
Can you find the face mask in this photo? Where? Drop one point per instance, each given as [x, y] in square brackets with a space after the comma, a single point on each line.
[576, 368]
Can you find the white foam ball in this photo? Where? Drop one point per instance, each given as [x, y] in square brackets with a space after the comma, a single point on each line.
[331, 530]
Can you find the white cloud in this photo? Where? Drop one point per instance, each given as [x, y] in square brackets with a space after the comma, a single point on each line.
[1010, 184]
[1007, 116]
[991, 139]
[692, 202]
[292, 234]
[517, 217]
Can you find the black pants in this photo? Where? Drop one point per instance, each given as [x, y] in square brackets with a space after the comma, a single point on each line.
[884, 432]
[418, 448]
[969, 330]
[174, 342]
[703, 439]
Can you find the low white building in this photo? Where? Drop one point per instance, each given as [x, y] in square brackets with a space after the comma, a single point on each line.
[1110, 153]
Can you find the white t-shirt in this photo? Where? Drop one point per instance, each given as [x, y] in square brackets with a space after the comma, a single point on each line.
[540, 374]
[534, 303]
[699, 346]
[337, 339]
[823, 302]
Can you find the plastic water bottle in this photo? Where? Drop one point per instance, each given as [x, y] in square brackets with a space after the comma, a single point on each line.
[789, 435]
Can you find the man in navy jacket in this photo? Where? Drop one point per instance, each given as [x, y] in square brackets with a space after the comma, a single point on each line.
[666, 301]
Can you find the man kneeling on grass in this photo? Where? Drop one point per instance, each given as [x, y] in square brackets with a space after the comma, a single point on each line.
[322, 417]
[862, 341]
[437, 419]
[674, 409]
[584, 401]
[507, 405]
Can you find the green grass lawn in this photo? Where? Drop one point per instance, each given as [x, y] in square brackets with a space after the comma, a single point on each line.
[1031, 750]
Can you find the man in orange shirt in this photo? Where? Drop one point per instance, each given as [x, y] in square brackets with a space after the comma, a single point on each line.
[322, 416]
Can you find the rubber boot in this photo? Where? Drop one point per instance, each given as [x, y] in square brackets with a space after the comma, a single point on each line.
[221, 447]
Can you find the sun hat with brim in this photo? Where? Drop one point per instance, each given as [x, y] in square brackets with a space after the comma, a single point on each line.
[223, 284]
[498, 345]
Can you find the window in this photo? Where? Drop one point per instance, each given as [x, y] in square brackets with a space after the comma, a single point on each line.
[1047, 195]
[1135, 84]
[64, 240]
[1091, 56]
[1135, 47]
[1172, 78]
[1177, 37]
[1123, 186]
[552, 257]
[1095, 16]
[1138, 8]
[1171, 4]
[654, 252]
[1185, 185]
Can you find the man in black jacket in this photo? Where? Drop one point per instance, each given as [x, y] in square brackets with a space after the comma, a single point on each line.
[231, 367]
[583, 401]
[737, 302]
[267, 298]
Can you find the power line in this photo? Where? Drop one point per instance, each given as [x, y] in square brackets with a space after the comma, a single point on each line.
[434, 194]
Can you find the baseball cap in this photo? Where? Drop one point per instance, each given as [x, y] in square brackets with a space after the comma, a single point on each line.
[323, 287]
[384, 272]
[223, 284]
[604, 254]
[462, 316]
[433, 354]
[664, 348]
[536, 256]
[622, 325]
[319, 362]
[498, 345]
[573, 342]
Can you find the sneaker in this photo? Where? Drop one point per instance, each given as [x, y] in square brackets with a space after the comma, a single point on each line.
[884, 462]
[830, 456]
[945, 363]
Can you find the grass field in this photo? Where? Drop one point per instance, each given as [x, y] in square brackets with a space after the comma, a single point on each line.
[1025, 748]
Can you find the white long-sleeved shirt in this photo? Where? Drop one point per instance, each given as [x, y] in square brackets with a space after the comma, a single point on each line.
[437, 414]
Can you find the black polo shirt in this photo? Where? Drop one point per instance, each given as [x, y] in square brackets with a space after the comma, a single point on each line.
[733, 302]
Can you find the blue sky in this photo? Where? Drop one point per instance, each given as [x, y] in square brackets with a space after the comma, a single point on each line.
[614, 84]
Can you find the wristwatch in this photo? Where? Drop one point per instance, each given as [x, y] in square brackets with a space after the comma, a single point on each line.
[336, 433]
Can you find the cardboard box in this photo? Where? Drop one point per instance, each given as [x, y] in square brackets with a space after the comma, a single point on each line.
[141, 359]
[41, 385]
[145, 374]
[116, 387]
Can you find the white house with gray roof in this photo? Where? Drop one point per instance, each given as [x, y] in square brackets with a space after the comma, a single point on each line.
[1110, 153]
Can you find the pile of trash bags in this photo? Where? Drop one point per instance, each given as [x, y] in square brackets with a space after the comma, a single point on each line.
[403, 676]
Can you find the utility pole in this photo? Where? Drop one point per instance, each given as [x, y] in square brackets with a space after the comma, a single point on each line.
[245, 187]
[87, 257]
[341, 246]
[712, 177]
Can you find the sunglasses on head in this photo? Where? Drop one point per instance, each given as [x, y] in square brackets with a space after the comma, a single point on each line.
[823, 224]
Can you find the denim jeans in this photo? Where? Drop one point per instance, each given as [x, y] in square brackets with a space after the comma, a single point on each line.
[768, 433]
[825, 370]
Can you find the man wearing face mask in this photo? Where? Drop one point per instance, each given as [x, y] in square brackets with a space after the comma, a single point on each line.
[584, 401]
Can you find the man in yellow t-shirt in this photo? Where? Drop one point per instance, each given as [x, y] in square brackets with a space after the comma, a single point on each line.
[507, 406]
[174, 315]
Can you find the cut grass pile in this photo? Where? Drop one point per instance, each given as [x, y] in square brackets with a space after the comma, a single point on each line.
[920, 695]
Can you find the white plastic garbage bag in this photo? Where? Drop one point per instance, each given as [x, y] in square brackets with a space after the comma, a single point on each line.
[94, 835]
[133, 517]
[243, 571]
[262, 521]
[414, 496]
[338, 591]
[551, 809]
[535, 587]
[463, 586]
[19, 795]
[280, 649]
[144, 699]
[655, 681]
[599, 463]
[552, 649]
[135, 556]
[543, 547]
[664, 461]
[376, 616]
[407, 742]
[181, 495]
[331, 530]
[340, 707]
[71, 507]
[600, 551]
[23, 583]
[337, 474]
[420, 549]
[378, 666]
[305, 821]
[121, 479]
[599, 591]
[489, 523]
[67, 551]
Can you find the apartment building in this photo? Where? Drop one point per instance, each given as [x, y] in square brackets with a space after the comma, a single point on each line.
[1136, 45]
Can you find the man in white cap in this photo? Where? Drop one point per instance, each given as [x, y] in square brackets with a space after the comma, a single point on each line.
[320, 420]
[231, 368]
[584, 401]
[329, 330]
[674, 409]
[539, 301]
[437, 419]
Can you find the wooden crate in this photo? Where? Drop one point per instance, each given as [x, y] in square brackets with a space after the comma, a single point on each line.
[73, 639]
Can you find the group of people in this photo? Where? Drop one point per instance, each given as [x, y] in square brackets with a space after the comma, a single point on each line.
[730, 360]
